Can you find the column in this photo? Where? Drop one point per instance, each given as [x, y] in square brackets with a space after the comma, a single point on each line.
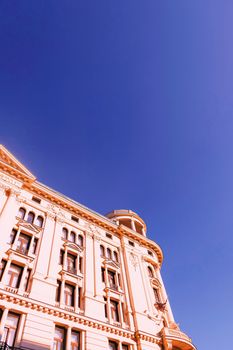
[16, 239]
[97, 270]
[62, 290]
[68, 338]
[133, 225]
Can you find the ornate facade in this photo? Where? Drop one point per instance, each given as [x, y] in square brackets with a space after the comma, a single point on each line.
[71, 278]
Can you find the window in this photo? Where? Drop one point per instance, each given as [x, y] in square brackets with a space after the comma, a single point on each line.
[34, 245]
[112, 345]
[105, 308]
[103, 274]
[112, 279]
[80, 265]
[108, 235]
[79, 297]
[23, 243]
[80, 241]
[102, 251]
[125, 347]
[59, 339]
[149, 253]
[131, 243]
[72, 236]
[115, 256]
[37, 200]
[114, 310]
[75, 340]
[31, 217]
[74, 218]
[156, 294]
[9, 332]
[58, 291]
[26, 280]
[64, 233]
[71, 263]
[21, 213]
[109, 253]
[12, 236]
[39, 221]
[2, 267]
[14, 276]
[150, 272]
[69, 294]
[61, 257]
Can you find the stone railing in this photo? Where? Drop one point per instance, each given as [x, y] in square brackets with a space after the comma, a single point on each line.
[176, 333]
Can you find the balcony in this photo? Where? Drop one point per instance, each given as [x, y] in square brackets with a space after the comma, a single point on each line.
[176, 338]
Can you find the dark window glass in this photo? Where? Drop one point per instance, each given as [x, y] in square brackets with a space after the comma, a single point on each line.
[31, 217]
[21, 213]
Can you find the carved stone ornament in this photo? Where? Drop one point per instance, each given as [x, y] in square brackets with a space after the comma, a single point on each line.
[9, 180]
[134, 260]
[155, 282]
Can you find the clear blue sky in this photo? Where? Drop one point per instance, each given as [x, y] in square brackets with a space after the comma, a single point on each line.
[129, 104]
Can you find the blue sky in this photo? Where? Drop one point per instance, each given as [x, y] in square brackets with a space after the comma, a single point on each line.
[128, 104]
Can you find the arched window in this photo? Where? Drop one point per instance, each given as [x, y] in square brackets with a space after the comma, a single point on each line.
[72, 236]
[39, 221]
[150, 271]
[21, 213]
[64, 233]
[109, 253]
[115, 256]
[80, 240]
[31, 217]
[102, 251]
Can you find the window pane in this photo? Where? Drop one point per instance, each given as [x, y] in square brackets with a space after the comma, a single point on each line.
[72, 236]
[59, 339]
[75, 340]
[13, 276]
[10, 329]
[113, 345]
[21, 213]
[31, 217]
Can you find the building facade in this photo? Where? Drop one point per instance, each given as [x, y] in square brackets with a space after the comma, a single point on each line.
[71, 278]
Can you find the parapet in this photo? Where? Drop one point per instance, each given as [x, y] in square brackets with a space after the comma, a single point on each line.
[129, 219]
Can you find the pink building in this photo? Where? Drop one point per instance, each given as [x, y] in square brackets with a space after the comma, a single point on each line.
[71, 278]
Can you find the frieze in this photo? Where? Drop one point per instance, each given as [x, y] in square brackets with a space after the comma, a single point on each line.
[10, 180]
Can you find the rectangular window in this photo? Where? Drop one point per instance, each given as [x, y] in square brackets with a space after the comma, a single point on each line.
[80, 264]
[131, 243]
[59, 339]
[11, 325]
[14, 276]
[74, 218]
[108, 235]
[112, 345]
[34, 245]
[112, 279]
[114, 310]
[69, 294]
[2, 268]
[58, 291]
[23, 243]
[12, 236]
[71, 263]
[26, 280]
[37, 200]
[61, 257]
[105, 308]
[79, 297]
[103, 274]
[75, 340]
[125, 347]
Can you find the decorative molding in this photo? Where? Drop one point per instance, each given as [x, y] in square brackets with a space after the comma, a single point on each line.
[134, 260]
